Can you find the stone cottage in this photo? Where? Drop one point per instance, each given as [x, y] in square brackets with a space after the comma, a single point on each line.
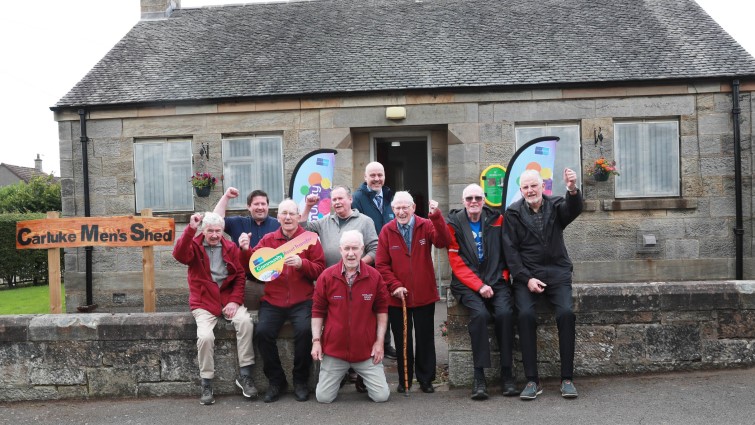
[244, 91]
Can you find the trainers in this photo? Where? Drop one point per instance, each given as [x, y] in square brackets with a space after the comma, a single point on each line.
[274, 392]
[389, 352]
[246, 384]
[508, 388]
[568, 390]
[531, 391]
[479, 390]
[301, 392]
[206, 397]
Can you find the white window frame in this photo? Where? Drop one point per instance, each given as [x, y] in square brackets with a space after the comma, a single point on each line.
[574, 152]
[176, 187]
[259, 167]
[652, 161]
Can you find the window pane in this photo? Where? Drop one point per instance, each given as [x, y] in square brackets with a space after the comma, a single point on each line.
[567, 148]
[647, 156]
[162, 171]
[252, 163]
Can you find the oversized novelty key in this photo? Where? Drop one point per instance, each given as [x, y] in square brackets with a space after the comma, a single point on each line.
[266, 264]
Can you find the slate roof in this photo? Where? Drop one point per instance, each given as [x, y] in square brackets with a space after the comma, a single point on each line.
[23, 173]
[332, 47]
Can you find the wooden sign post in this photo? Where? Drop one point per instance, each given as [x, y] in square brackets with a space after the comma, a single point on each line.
[54, 233]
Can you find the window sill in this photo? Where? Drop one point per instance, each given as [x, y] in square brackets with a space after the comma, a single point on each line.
[649, 204]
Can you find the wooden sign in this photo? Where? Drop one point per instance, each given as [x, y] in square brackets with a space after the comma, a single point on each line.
[95, 231]
[266, 264]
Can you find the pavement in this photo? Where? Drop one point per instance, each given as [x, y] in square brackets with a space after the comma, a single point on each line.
[699, 397]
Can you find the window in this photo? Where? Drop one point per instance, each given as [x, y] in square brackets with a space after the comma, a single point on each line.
[567, 148]
[162, 169]
[254, 162]
[647, 156]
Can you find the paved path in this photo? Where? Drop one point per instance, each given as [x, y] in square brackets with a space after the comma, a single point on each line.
[713, 397]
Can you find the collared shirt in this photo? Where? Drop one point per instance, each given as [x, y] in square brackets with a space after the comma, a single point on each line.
[350, 278]
[537, 218]
[218, 268]
[406, 231]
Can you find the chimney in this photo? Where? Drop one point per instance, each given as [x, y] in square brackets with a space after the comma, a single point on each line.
[158, 9]
[38, 164]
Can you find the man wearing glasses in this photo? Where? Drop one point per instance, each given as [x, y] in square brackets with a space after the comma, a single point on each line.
[287, 297]
[479, 282]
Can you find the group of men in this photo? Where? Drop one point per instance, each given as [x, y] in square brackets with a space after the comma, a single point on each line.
[369, 272]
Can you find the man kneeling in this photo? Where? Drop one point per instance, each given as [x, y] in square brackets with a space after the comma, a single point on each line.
[351, 300]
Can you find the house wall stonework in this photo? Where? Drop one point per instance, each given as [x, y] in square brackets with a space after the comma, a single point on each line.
[468, 132]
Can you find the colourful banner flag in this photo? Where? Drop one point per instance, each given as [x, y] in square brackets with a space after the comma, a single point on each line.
[537, 154]
[314, 174]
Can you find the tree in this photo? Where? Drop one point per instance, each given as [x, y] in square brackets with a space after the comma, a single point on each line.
[41, 194]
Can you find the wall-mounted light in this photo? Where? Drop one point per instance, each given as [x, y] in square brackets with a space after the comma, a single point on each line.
[395, 144]
[395, 113]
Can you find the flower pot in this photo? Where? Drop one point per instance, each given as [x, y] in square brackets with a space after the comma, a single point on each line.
[203, 192]
[601, 177]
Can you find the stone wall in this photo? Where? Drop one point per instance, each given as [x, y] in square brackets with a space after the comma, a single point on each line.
[633, 328]
[50, 357]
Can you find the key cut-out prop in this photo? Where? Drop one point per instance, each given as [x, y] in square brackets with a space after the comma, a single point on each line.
[266, 264]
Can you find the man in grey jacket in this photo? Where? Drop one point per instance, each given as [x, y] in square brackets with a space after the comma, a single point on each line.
[344, 218]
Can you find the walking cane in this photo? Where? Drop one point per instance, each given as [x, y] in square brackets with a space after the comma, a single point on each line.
[406, 365]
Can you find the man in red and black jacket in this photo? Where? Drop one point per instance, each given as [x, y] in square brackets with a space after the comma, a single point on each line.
[351, 300]
[480, 283]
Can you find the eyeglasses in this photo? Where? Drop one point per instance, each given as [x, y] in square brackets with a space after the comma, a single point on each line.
[287, 214]
[473, 198]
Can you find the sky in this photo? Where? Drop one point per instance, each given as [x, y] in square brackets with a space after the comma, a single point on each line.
[47, 46]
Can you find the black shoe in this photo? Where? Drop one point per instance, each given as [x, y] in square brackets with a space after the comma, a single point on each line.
[389, 352]
[508, 388]
[274, 392]
[301, 392]
[352, 375]
[426, 387]
[401, 389]
[246, 384]
[479, 390]
[359, 384]
[206, 397]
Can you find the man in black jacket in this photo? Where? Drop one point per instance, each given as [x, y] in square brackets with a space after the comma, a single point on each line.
[479, 282]
[539, 265]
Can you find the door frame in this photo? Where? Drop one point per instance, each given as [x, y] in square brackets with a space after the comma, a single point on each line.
[398, 136]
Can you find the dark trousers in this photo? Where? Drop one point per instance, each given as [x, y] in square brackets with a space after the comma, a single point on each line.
[559, 295]
[420, 356]
[271, 319]
[500, 308]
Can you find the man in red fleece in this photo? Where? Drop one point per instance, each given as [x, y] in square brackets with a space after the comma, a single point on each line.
[287, 297]
[351, 299]
[404, 258]
[216, 286]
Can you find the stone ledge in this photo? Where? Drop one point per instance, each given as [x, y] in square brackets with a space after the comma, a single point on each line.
[650, 204]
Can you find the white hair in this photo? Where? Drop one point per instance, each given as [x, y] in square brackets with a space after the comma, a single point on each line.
[531, 173]
[350, 235]
[212, 219]
[402, 196]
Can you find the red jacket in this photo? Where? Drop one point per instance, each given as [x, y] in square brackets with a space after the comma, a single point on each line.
[293, 286]
[350, 314]
[413, 271]
[204, 293]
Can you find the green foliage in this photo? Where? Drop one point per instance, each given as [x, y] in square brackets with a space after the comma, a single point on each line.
[26, 265]
[28, 300]
[41, 194]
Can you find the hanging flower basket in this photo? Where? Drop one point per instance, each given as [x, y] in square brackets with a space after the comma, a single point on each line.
[203, 192]
[602, 169]
[203, 183]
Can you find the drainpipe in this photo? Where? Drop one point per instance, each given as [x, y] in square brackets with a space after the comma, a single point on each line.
[87, 211]
[738, 229]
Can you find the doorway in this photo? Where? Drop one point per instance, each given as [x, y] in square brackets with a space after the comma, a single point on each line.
[405, 160]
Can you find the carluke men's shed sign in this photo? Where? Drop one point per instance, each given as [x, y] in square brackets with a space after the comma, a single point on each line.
[94, 231]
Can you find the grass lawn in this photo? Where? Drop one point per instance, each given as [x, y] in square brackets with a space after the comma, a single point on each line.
[28, 300]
